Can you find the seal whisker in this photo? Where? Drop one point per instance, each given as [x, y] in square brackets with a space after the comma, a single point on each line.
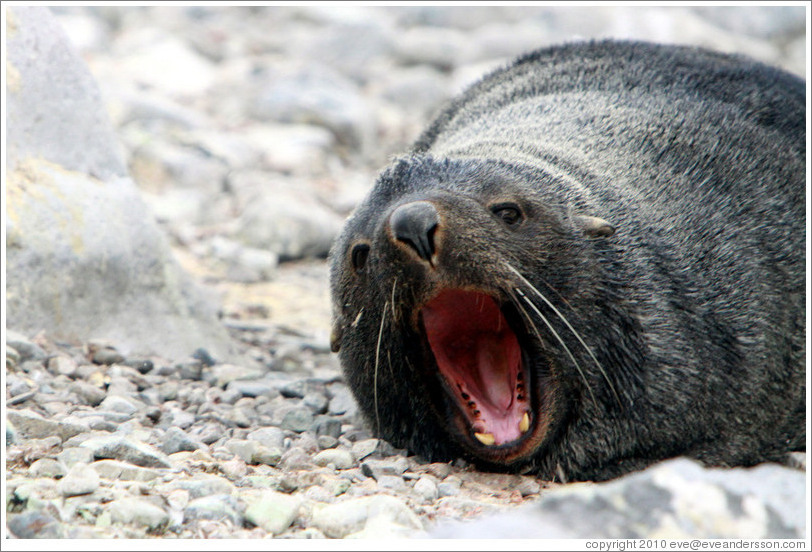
[394, 312]
[552, 330]
[377, 362]
[575, 333]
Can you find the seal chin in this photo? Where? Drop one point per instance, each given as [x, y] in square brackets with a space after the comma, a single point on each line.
[480, 360]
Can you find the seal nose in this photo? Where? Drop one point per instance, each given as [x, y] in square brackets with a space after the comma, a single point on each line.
[414, 224]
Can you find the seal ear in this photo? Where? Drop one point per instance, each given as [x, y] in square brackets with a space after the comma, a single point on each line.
[335, 336]
[593, 227]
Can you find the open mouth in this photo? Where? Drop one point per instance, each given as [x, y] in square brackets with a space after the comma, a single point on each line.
[480, 359]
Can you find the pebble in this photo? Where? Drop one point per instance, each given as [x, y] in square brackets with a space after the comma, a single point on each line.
[351, 516]
[26, 349]
[426, 489]
[272, 511]
[298, 419]
[35, 525]
[270, 437]
[340, 459]
[29, 424]
[127, 450]
[121, 471]
[118, 404]
[75, 455]
[107, 355]
[137, 511]
[204, 485]
[389, 466]
[61, 365]
[295, 458]
[47, 467]
[214, 507]
[450, 486]
[176, 440]
[81, 479]
[326, 426]
[90, 394]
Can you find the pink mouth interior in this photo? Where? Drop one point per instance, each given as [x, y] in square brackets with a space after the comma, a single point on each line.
[479, 356]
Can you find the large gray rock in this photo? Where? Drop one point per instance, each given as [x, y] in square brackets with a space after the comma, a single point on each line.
[677, 499]
[84, 256]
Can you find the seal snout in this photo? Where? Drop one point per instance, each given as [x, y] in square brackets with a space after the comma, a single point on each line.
[415, 224]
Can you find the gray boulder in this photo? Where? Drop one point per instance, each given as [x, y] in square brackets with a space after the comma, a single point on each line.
[85, 259]
[677, 499]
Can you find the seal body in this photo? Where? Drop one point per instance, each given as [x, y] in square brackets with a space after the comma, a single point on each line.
[591, 261]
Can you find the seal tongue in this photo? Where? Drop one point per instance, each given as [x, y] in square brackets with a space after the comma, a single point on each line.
[479, 356]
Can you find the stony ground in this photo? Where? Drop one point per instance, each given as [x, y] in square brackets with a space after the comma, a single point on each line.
[252, 133]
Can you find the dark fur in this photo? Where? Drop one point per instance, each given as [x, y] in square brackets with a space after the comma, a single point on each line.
[695, 307]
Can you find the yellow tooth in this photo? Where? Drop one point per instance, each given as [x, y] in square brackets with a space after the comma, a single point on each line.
[524, 424]
[486, 439]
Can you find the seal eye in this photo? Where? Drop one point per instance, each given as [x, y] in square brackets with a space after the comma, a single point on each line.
[359, 255]
[509, 213]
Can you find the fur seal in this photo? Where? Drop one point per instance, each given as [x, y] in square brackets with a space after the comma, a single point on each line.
[592, 260]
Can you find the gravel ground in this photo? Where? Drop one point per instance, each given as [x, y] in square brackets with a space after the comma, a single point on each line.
[252, 133]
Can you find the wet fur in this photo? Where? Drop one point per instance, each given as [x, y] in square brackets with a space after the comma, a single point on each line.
[695, 306]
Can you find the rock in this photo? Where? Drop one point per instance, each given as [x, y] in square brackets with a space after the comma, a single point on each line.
[29, 424]
[317, 94]
[341, 400]
[317, 402]
[90, 394]
[107, 356]
[243, 448]
[35, 525]
[450, 486]
[137, 511]
[215, 507]
[251, 388]
[363, 448]
[676, 499]
[326, 426]
[75, 455]
[143, 365]
[295, 458]
[290, 224]
[426, 489]
[353, 515]
[270, 437]
[297, 419]
[80, 480]
[127, 450]
[121, 405]
[326, 442]
[166, 63]
[61, 365]
[296, 149]
[122, 471]
[176, 440]
[340, 459]
[391, 482]
[13, 357]
[440, 470]
[47, 467]
[23, 347]
[223, 374]
[63, 163]
[204, 485]
[272, 511]
[267, 456]
[389, 466]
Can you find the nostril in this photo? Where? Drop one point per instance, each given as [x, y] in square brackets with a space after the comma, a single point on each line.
[415, 225]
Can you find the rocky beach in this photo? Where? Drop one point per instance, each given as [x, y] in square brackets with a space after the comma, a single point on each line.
[168, 368]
